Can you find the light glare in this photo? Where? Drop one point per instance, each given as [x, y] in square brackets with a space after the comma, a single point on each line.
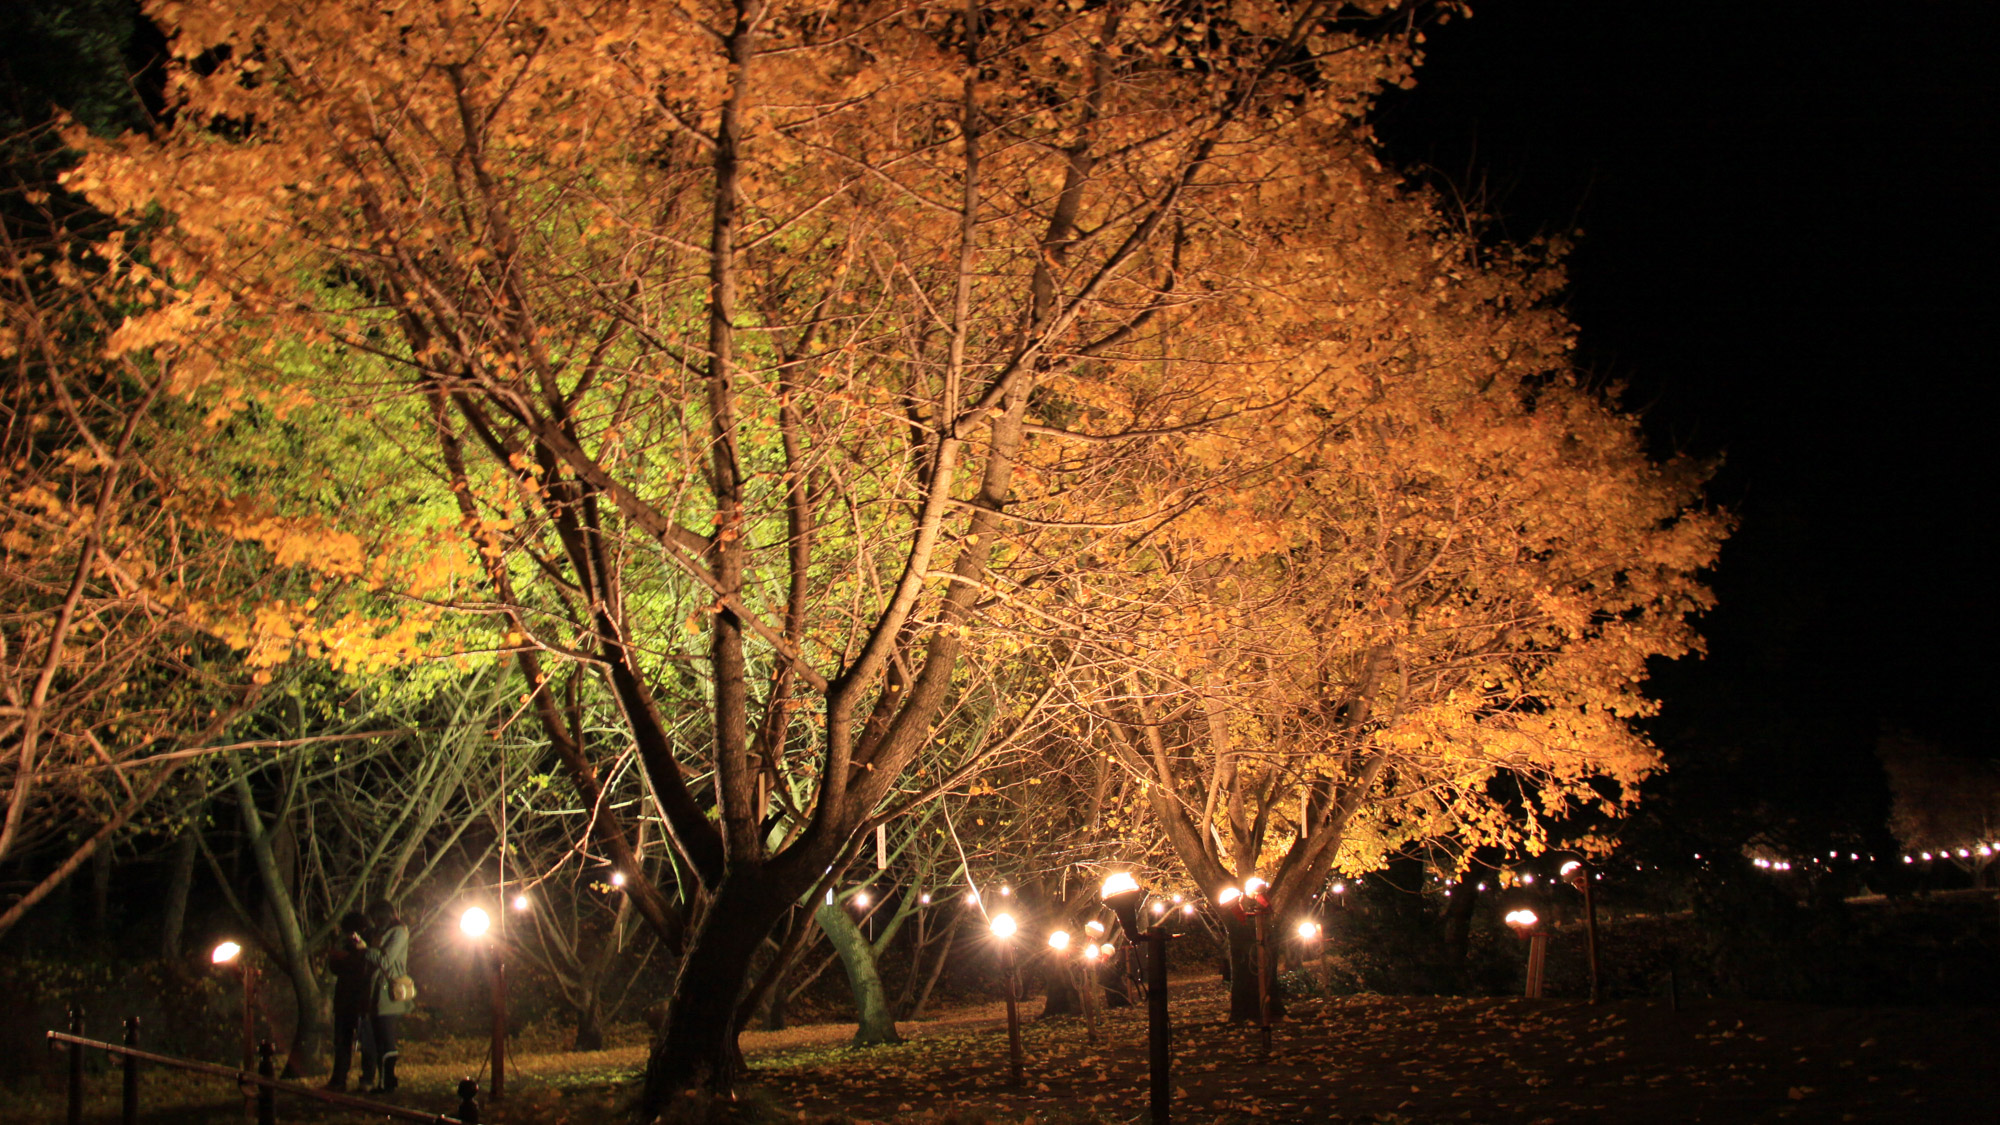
[1003, 925]
[225, 953]
[474, 922]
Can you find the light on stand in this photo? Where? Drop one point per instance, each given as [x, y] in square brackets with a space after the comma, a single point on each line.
[1525, 923]
[1004, 927]
[474, 924]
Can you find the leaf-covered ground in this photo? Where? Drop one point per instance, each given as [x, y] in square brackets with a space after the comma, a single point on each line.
[1360, 1060]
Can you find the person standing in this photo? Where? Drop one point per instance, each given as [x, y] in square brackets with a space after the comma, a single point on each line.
[392, 994]
[353, 1009]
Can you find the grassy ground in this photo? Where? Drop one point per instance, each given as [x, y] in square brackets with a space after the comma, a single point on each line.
[1375, 1060]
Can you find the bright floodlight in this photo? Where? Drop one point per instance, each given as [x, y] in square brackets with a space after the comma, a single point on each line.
[861, 899]
[1005, 889]
[1003, 925]
[474, 922]
[225, 953]
[1569, 867]
[1121, 883]
[1159, 908]
[521, 904]
[617, 878]
[925, 898]
[1340, 888]
[1253, 884]
[1308, 930]
[1187, 910]
[1059, 940]
[1528, 880]
[1522, 918]
[1228, 895]
[1090, 953]
[1107, 949]
[1094, 928]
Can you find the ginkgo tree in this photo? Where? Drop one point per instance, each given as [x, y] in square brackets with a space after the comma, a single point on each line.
[1432, 622]
[789, 373]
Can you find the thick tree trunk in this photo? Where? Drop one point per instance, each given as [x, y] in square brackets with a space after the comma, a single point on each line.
[1063, 997]
[180, 881]
[589, 1024]
[876, 1024]
[696, 1046]
[1243, 972]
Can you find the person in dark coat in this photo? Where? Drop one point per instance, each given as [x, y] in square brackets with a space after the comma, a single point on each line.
[388, 957]
[352, 996]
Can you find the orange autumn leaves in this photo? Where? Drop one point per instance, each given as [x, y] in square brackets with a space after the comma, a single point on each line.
[1310, 452]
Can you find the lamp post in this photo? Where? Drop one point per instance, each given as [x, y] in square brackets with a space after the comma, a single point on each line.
[231, 954]
[1122, 893]
[1088, 958]
[1527, 925]
[473, 924]
[1004, 927]
[1249, 902]
[1313, 936]
[1579, 876]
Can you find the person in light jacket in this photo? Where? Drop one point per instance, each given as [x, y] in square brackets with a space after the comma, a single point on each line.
[388, 956]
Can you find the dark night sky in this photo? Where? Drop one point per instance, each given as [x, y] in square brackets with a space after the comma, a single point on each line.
[1788, 208]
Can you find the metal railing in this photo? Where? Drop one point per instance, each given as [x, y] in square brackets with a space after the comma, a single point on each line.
[264, 1081]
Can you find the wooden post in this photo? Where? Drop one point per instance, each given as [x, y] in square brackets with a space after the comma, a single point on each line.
[1538, 948]
[1263, 984]
[1590, 934]
[1089, 990]
[129, 1108]
[76, 1066]
[1016, 1074]
[1159, 1033]
[499, 1045]
[249, 1010]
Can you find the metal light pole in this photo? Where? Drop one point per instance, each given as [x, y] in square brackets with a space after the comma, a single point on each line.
[1579, 875]
[474, 924]
[231, 954]
[1122, 893]
[1314, 937]
[1527, 925]
[1003, 927]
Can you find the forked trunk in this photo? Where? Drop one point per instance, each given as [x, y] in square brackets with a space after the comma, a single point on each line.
[696, 1046]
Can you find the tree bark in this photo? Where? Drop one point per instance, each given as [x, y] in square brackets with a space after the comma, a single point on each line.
[100, 896]
[180, 881]
[294, 958]
[876, 1023]
[1243, 970]
[696, 1047]
[1063, 998]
